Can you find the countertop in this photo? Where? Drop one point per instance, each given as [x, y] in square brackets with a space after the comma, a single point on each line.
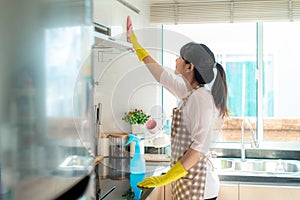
[259, 178]
[262, 180]
[290, 179]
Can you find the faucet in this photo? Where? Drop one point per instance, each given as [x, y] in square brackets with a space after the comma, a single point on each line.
[254, 141]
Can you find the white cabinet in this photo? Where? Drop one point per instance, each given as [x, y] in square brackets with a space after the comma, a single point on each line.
[229, 192]
[161, 193]
[102, 12]
[113, 14]
[268, 192]
[238, 191]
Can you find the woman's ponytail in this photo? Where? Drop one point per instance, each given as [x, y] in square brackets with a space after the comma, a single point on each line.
[219, 87]
[219, 90]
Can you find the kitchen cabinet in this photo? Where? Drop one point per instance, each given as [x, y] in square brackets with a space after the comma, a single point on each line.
[25, 99]
[241, 191]
[162, 193]
[43, 88]
[238, 191]
[268, 192]
[113, 14]
[229, 192]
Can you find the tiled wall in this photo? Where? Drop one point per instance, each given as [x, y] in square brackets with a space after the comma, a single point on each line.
[274, 130]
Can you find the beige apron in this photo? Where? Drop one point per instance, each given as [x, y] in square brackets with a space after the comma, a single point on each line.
[192, 185]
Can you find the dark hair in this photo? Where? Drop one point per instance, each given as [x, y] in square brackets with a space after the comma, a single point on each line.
[219, 90]
[198, 76]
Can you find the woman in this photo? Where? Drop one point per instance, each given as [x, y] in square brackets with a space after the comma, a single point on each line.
[197, 116]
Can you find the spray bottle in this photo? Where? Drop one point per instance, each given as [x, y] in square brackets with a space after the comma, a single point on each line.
[137, 166]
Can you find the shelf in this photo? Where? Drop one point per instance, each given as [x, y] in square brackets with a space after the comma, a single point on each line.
[157, 157]
[105, 41]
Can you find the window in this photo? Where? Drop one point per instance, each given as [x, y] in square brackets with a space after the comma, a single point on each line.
[281, 112]
[235, 47]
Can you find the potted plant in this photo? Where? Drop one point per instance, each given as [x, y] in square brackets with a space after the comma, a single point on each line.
[137, 119]
[128, 195]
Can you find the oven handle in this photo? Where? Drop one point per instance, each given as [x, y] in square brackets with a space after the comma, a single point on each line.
[108, 192]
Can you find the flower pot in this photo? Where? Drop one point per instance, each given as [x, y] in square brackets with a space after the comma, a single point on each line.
[137, 129]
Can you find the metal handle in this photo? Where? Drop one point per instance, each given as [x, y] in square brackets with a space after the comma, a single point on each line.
[107, 193]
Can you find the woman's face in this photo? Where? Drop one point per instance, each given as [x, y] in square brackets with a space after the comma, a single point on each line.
[180, 65]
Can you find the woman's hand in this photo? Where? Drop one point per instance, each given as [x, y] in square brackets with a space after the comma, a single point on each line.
[155, 68]
[140, 51]
[175, 173]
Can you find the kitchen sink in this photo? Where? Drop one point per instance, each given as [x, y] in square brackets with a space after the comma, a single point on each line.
[257, 165]
[291, 167]
[278, 166]
[222, 164]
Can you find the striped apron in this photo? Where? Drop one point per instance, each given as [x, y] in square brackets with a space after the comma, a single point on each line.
[192, 185]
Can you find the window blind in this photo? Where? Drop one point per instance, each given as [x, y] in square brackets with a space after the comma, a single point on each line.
[223, 11]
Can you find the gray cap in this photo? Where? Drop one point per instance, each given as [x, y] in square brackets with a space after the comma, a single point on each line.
[200, 58]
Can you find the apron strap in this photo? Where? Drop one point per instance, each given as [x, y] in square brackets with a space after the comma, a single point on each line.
[185, 99]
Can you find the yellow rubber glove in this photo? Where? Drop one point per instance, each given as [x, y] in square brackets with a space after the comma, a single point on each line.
[175, 173]
[140, 51]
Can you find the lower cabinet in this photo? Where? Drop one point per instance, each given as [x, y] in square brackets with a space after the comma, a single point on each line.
[241, 191]
[268, 192]
[229, 192]
[161, 193]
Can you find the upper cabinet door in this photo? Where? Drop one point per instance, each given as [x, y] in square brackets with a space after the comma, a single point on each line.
[113, 14]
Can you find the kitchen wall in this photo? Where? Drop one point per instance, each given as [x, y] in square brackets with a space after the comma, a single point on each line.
[123, 84]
